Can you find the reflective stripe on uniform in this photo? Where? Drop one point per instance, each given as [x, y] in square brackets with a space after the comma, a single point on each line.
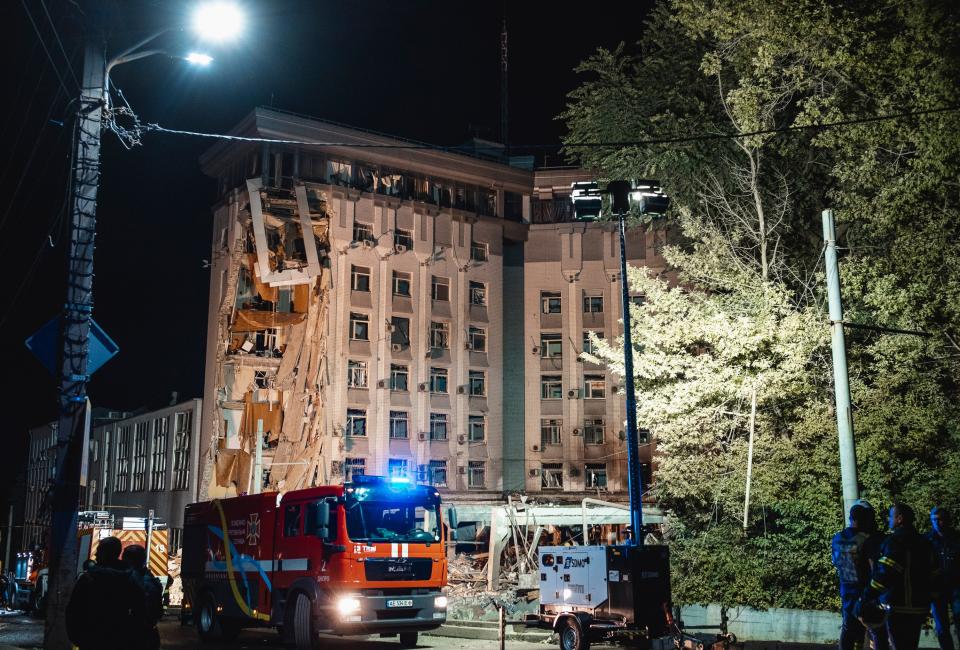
[887, 561]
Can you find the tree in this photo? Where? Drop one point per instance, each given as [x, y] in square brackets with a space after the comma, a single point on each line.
[748, 313]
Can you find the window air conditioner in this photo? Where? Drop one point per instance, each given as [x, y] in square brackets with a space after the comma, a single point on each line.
[534, 472]
[535, 351]
[422, 387]
[461, 470]
[382, 383]
[396, 347]
[573, 393]
[535, 447]
[461, 439]
[576, 432]
[399, 248]
[461, 390]
[574, 472]
[422, 436]
[366, 243]
[466, 345]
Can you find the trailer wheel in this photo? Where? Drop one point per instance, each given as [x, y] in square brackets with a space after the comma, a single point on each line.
[302, 628]
[572, 636]
[408, 639]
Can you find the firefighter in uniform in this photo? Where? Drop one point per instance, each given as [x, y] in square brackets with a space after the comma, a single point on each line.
[946, 601]
[854, 549]
[901, 582]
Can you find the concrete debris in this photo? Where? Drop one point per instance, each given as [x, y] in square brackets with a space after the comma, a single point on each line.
[175, 590]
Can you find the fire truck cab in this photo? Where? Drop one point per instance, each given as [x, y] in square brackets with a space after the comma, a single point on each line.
[360, 558]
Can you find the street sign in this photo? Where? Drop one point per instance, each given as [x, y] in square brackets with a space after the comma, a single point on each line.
[45, 344]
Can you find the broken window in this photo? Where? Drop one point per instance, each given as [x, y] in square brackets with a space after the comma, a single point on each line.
[551, 346]
[438, 472]
[359, 326]
[479, 251]
[123, 460]
[551, 387]
[438, 380]
[401, 283]
[593, 431]
[476, 474]
[356, 374]
[439, 335]
[550, 302]
[158, 461]
[362, 232]
[398, 425]
[360, 278]
[589, 347]
[339, 173]
[398, 377]
[182, 424]
[551, 475]
[400, 331]
[592, 304]
[403, 238]
[398, 468]
[356, 422]
[550, 431]
[438, 426]
[478, 293]
[596, 475]
[594, 386]
[477, 339]
[476, 428]
[353, 467]
[139, 455]
[440, 288]
[477, 383]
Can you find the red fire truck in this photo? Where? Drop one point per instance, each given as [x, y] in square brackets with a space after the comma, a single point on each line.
[360, 558]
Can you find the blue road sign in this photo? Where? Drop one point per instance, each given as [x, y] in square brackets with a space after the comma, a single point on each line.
[46, 344]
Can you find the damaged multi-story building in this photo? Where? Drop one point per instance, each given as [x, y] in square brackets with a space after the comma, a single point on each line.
[383, 307]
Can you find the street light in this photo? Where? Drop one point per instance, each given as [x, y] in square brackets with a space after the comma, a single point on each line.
[587, 204]
[198, 58]
[218, 21]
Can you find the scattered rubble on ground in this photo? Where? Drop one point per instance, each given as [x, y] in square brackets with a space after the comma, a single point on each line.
[175, 591]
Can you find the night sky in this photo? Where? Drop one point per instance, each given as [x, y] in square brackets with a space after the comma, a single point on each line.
[418, 69]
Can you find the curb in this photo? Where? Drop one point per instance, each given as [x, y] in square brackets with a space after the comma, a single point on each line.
[488, 631]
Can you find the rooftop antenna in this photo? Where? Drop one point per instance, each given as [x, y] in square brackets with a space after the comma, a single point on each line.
[504, 135]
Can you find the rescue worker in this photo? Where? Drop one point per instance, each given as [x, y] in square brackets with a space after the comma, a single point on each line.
[106, 608]
[135, 557]
[900, 584]
[946, 600]
[852, 549]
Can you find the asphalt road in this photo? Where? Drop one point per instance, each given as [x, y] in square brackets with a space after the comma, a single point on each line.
[22, 631]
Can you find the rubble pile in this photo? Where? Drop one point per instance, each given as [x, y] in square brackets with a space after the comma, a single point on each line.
[175, 591]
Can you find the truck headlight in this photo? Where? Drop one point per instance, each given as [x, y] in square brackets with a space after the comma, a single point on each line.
[348, 605]
[440, 602]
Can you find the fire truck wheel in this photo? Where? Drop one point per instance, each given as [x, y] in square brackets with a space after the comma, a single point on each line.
[408, 639]
[302, 629]
[572, 636]
[212, 627]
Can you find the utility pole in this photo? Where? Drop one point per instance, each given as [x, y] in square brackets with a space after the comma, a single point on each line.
[77, 316]
[6, 554]
[841, 381]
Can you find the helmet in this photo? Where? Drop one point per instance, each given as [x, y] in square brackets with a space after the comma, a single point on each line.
[861, 503]
[871, 613]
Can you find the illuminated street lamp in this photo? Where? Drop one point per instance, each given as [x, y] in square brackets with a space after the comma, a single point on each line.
[218, 21]
[587, 205]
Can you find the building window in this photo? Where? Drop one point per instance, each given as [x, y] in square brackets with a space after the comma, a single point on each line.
[638, 299]
[440, 288]
[477, 383]
[400, 331]
[438, 472]
[401, 283]
[359, 326]
[356, 422]
[589, 347]
[476, 474]
[478, 293]
[439, 335]
[182, 425]
[438, 380]
[398, 377]
[551, 346]
[593, 304]
[479, 252]
[593, 431]
[550, 432]
[398, 425]
[594, 387]
[139, 455]
[291, 520]
[551, 387]
[362, 232]
[476, 428]
[360, 278]
[477, 339]
[123, 460]
[643, 435]
[356, 374]
[403, 238]
[550, 302]
[398, 468]
[596, 475]
[551, 476]
[158, 455]
[354, 467]
[438, 426]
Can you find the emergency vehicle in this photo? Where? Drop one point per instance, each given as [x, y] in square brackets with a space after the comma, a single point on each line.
[360, 558]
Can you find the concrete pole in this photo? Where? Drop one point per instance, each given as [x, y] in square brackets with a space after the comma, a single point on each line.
[841, 382]
[149, 543]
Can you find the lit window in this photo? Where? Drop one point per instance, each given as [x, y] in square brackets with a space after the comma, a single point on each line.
[356, 422]
[551, 387]
[550, 302]
[594, 386]
[479, 252]
[596, 475]
[440, 288]
[593, 431]
[438, 380]
[550, 432]
[593, 304]
[551, 476]
[398, 425]
[359, 326]
[360, 278]
[477, 339]
[398, 468]
[401, 283]
[478, 293]
[438, 426]
[476, 428]
[356, 374]
[477, 383]
[476, 474]
[439, 335]
[398, 377]
[551, 346]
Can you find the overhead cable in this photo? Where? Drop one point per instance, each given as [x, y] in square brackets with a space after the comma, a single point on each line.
[56, 70]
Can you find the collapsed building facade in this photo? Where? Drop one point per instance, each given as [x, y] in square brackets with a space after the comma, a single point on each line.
[385, 308]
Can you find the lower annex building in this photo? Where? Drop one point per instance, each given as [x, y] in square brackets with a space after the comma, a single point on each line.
[407, 312]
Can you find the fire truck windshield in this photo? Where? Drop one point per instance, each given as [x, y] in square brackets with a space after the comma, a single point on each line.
[393, 521]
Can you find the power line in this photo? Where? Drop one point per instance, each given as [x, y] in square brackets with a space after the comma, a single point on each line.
[625, 143]
[56, 34]
[36, 30]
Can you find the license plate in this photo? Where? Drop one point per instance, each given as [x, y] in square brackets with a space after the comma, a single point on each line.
[400, 603]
